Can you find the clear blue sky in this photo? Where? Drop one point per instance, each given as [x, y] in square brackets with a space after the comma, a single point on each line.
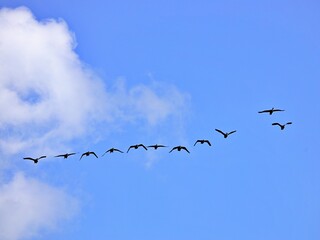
[230, 59]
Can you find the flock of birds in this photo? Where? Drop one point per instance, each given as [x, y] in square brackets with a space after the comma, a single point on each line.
[156, 146]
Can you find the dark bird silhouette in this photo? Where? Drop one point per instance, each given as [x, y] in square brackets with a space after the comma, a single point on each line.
[137, 146]
[111, 150]
[225, 135]
[65, 155]
[179, 148]
[156, 146]
[35, 160]
[270, 111]
[87, 154]
[202, 142]
[281, 125]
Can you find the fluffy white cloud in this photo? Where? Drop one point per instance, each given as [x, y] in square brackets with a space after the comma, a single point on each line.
[28, 206]
[47, 95]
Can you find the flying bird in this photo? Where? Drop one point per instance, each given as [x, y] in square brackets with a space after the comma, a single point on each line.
[156, 146]
[225, 135]
[179, 148]
[87, 154]
[202, 142]
[65, 155]
[111, 150]
[137, 146]
[270, 111]
[35, 160]
[281, 125]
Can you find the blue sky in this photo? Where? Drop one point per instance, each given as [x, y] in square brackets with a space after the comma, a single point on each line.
[104, 74]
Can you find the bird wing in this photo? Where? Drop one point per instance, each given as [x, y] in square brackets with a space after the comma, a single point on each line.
[94, 154]
[70, 154]
[196, 142]
[288, 123]
[130, 148]
[152, 146]
[278, 110]
[29, 158]
[220, 131]
[174, 148]
[117, 150]
[264, 111]
[184, 148]
[141, 145]
[105, 152]
[276, 124]
[207, 141]
[82, 156]
[232, 132]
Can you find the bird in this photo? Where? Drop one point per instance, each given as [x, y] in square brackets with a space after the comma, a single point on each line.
[111, 150]
[156, 146]
[225, 135]
[179, 148]
[35, 160]
[270, 111]
[202, 142]
[137, 146]
[87, 154]
[281, 125]
[65, 155]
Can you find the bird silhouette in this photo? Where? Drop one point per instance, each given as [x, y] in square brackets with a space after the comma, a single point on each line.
[202, 142]
[156, 146]
[111, 150]
[225, 135]
[270, 111]
[66, 155]
[35, 160]
[137, 146]
[87, 154]
[282, 126]
[179, 148]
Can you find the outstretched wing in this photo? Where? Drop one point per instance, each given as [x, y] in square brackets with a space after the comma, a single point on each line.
[275, 123]
[196, 142]
[70, 154]
[141, 145]
[232, 132]
[61, 155]
[94, 154]
[184, 148]
[288, 123]
[207, 141]
[29, 158]
[265, 111]
[174, 148]
[278, 110]
[117, 150]
[82, 156]
[219, 131]
[130, 148]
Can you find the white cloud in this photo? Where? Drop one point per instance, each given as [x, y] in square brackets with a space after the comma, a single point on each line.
[28, 206]
[47, 95]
